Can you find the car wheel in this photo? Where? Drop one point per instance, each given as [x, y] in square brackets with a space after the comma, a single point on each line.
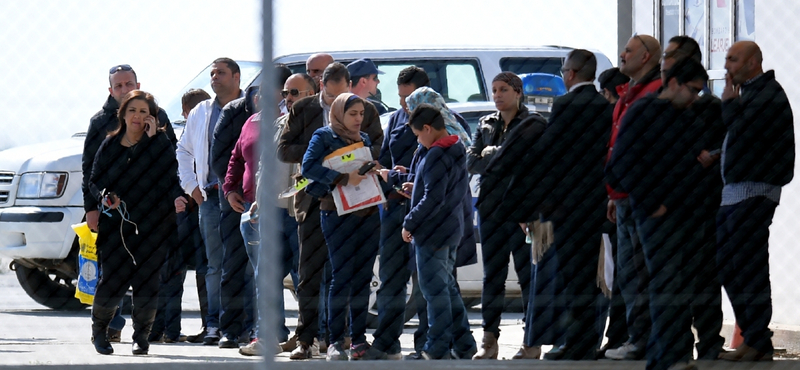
[374, 285]
[49, 288]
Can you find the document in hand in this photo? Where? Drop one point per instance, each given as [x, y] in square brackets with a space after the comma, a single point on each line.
[350, 198]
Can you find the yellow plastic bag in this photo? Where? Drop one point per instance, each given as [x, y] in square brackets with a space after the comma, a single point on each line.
[88, 269]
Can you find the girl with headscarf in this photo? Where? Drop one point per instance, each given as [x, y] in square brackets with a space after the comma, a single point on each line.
[426, 95]
[352, 239]
[499, 237]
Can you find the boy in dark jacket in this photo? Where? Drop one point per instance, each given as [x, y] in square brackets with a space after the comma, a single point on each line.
[435, 224]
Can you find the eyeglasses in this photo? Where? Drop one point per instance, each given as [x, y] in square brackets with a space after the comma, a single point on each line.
[642, 41]
[121, 67]
[565, 70]
[375, 78]
[693, 90]
[294, 92]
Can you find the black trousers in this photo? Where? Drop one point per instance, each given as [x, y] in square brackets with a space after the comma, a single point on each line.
[706, 300]
[120, 272]
[743, 258]
[578, 251]
[498, 241]
[311, 268]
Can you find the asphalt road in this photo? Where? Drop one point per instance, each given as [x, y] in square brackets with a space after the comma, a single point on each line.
[33, 336]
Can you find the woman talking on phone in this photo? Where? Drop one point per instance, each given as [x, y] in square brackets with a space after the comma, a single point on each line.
[135, 180]
[352, 238]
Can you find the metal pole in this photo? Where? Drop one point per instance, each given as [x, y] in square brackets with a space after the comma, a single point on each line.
[269, 223]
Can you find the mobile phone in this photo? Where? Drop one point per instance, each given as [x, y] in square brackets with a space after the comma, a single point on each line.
[365, 168]
[400, 189]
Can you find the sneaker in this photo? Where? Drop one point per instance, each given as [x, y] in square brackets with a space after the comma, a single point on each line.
[359, 352]
[318, 347]
[253, 349]
[628, 351]
[212, 336]
[336, 353]
[114, 336]
[372, 353]
[302, 352]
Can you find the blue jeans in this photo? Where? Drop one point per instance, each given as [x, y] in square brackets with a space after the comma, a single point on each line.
[252, 240]
[209, 228]
[394, 275]
[447, 316]
[352, 246]
[632, 274]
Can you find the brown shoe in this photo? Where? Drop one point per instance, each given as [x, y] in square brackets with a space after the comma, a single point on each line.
[289, 345]
[302, 352]
[488, 349]
[746, 353]
[528, 353]
[114, 336]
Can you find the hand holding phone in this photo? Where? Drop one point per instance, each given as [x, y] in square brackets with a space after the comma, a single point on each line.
[366, 167]
[150, 125]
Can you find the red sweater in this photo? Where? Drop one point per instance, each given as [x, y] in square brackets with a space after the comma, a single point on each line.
[650, 83]
[244, 160]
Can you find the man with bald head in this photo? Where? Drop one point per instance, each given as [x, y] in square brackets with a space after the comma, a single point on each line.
[316, 64]
[757, 160]
[640, 62]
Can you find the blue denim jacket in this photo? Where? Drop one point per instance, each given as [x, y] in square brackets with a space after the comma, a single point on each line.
[324, 142]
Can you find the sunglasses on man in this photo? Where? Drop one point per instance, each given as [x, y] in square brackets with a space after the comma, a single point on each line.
[121, 67]
[293, 92]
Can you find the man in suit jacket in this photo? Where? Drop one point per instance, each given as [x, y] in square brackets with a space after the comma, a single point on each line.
[307, 115]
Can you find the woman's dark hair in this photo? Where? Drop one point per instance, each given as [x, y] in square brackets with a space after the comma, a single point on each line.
[126, 100]
[352, 101]
[426, 114]
[514, 81]
[193, 97]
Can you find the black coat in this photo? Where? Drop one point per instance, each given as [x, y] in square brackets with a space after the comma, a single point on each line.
[760, 137]
[145, 177]
[227, 132]
[655, 157]
[558, 172]
[100, 125]
[490, 132]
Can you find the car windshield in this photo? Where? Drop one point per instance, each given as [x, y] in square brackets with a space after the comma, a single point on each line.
[458, 80]
[250, 71]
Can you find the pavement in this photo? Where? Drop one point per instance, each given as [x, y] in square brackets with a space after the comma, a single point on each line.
[36, 337]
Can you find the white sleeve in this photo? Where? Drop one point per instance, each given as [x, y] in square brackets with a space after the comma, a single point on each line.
[185, 153]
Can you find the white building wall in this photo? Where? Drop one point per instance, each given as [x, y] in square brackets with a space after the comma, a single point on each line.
[776, 26]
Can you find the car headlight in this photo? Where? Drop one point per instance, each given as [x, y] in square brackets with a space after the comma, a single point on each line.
[42, 185]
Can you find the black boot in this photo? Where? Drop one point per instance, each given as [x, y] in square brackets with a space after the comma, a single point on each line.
[101, 317]
[142, 323]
